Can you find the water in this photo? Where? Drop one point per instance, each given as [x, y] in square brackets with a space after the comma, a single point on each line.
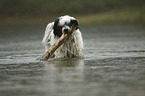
[113, 63]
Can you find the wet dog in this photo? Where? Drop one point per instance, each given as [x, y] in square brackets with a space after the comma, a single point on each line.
[73, 46]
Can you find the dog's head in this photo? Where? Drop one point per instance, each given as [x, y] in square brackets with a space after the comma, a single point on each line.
[63, 25]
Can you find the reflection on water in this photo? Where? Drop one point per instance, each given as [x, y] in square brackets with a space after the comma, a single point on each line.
[66, 70]
[113, 63]
[63, 76]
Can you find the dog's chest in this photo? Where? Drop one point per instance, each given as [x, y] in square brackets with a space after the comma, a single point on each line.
[67, 49]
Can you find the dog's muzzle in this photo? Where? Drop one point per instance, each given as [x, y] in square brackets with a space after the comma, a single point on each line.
[66, 29]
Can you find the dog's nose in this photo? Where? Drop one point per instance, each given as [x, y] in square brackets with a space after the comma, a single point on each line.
[65, 30]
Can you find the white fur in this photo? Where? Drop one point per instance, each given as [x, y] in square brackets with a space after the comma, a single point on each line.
[64, 19]
[71, 48]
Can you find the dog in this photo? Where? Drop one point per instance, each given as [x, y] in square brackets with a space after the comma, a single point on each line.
[73, 46]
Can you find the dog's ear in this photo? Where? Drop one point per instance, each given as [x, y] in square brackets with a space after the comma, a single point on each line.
[57, 28]
[75, 23]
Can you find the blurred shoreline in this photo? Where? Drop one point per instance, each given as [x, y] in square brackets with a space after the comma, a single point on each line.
[123, 16]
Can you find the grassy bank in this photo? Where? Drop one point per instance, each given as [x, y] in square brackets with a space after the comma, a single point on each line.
[126, 16]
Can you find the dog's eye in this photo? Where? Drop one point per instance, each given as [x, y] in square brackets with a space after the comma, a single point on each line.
[70, 24]
[66, 24]
[60, 26]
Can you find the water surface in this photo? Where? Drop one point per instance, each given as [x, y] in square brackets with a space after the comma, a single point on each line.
[113, 63]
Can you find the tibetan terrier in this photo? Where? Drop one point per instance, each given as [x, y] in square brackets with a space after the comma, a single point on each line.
[70, 48]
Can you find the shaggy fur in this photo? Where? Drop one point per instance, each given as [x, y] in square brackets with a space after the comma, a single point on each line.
[73, 46]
